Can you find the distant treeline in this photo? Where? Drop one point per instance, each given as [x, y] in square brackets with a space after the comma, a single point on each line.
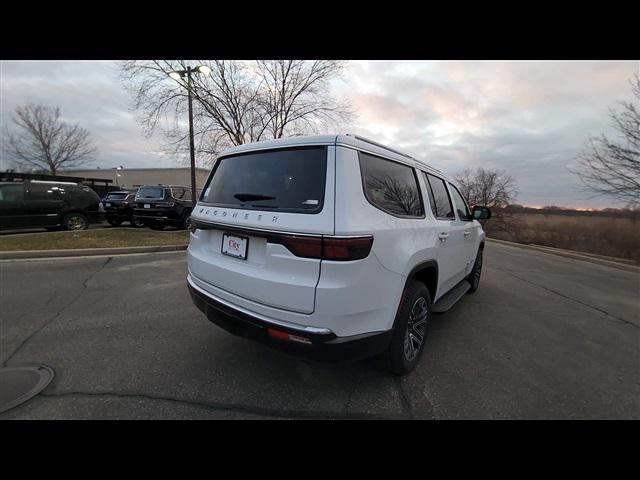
[633, 213]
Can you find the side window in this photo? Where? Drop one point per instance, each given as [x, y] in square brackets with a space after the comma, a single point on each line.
[461, 205]
[177, 193]
[43, 192]
[390, 186]
[186, 195]
[12, 193]
[440, 201]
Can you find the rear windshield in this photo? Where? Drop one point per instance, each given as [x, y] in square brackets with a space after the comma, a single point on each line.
[287, 180]
[151, 192]
[116, 196]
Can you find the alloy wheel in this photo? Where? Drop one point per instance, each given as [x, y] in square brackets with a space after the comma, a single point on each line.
[416, 328]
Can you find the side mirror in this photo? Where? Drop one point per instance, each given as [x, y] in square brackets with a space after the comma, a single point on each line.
[481, 213]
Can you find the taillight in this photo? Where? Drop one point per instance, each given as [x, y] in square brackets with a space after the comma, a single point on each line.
[308, 247]
[327, 248]
[346, 248]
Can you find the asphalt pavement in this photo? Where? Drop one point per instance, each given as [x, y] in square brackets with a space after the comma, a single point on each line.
[544, 337]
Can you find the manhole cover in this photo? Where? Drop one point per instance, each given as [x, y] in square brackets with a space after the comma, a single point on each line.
[19, 384]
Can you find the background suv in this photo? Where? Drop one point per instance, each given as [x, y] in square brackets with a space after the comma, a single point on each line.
[118, 207]
[48, 204]
[160, 205]
[335, 247]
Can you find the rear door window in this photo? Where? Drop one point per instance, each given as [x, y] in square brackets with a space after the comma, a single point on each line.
[439, 198]
[391, 186]
[286, 180]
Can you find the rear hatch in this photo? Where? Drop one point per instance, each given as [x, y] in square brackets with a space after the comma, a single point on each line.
[257, 209]
[115, 202]
[153, 201]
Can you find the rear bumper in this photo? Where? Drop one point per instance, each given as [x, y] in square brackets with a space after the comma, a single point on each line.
[325, 345]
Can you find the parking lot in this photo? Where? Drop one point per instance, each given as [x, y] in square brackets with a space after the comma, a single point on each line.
[545, 337]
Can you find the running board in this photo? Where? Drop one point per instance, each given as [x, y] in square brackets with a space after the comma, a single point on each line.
[451, 297]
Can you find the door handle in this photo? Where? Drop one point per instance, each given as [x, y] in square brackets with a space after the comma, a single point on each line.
[467, 232]
[443, 236]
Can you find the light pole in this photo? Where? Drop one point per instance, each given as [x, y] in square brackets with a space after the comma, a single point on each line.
[118, 175]
[178, 75]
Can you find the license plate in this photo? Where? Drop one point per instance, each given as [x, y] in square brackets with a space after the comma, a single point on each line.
[147, 205]
[235, 246]
[107, 204]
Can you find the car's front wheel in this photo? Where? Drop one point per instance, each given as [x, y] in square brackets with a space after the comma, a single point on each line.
[407, 342]
[75, 221]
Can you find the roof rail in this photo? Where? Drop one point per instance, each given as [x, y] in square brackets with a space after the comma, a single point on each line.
[363, 139]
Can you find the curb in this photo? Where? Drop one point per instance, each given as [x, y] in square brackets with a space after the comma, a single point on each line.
[88, 252]
[571, 254]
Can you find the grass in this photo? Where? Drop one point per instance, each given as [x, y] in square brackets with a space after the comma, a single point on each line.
[610, 236]
[98, 238]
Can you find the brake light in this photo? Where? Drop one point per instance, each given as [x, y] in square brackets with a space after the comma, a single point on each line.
[347, 248]
[327, 248]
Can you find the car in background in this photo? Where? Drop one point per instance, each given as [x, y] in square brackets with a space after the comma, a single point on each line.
[158, 206]
[118, 207]
[48, 204]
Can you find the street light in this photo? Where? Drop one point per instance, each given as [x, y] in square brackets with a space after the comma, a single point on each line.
[177, 76]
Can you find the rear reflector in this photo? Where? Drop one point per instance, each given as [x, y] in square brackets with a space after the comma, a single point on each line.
[288, 337]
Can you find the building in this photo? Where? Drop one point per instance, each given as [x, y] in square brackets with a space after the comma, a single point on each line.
[130, 178]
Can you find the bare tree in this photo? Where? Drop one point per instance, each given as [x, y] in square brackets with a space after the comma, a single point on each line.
[42, 140]
[396, 193]
[237, 103]
[494, 189]
[612, 167]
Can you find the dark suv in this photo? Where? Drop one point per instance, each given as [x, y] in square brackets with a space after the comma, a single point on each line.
[118, 206]
[50, 205]
[160, 205]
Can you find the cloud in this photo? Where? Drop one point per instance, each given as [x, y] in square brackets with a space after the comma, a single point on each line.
[529, 118]
[88, 93]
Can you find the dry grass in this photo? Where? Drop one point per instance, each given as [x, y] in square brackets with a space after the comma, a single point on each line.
[615, 237]
[98, 238]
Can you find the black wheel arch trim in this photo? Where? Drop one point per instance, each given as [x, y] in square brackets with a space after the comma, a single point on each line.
[418, 268]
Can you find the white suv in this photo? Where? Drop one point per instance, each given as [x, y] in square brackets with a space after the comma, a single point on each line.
[334, 247]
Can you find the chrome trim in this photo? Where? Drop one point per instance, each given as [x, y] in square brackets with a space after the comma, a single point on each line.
[280, 323]
[283, 232]
[254, 229]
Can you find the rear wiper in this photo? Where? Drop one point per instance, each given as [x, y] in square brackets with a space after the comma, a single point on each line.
[243, 197]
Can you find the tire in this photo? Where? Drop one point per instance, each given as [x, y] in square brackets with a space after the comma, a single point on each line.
[476, 271]
[75, 221]
[186, 221]
[136, 222]
[156, 226]
[114, 222]
[407, 342]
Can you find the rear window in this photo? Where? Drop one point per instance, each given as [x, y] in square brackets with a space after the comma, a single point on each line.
[151, 192]
[116, 196]
[287, 180]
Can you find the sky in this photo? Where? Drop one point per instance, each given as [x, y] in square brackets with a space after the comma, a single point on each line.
[529, 118]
